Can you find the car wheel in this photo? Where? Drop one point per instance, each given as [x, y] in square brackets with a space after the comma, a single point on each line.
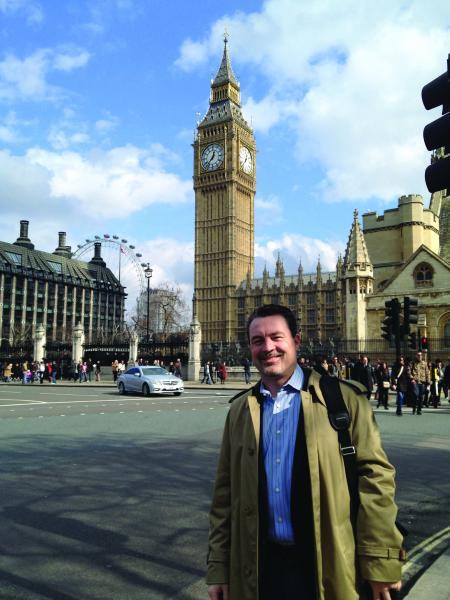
[146, 389]
[122, 389]
[177, 393]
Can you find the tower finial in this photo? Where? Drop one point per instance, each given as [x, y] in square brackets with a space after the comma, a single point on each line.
[355, 214]
[225, 36]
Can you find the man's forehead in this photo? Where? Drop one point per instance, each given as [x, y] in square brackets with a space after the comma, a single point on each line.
[268, 324]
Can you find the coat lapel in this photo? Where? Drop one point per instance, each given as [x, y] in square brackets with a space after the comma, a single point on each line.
[255, 413]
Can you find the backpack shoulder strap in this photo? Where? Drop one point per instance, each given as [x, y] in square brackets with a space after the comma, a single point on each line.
[340, 420]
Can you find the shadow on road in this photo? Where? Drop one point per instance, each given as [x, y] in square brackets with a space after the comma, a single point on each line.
[114, 517]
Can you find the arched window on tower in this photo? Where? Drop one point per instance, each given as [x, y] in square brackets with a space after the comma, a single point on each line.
[423, 275]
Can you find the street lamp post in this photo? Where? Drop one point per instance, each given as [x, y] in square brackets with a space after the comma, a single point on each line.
[148, 275]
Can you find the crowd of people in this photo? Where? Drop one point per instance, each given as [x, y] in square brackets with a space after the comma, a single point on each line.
[416, 382]
[214, 372]
[29, 372]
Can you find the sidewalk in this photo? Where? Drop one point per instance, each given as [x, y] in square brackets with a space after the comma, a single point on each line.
[433, 584]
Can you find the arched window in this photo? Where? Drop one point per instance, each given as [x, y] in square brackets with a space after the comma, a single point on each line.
[423, 275]
[447, 335]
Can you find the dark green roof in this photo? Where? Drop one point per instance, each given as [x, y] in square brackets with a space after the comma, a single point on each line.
[24, 260]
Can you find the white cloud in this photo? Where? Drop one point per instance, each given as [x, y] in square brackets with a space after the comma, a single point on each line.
[345, 78]
[67, 61]
[268, 210]
[32, 10]
[101, 184]
[26, 79]
[294, 248]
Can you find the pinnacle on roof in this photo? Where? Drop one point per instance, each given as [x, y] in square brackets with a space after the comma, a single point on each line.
[356, 251]
[225, 73]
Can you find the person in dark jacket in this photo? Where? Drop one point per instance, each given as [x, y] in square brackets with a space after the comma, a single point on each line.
[364, 374]
[383, 385]
[401, 377]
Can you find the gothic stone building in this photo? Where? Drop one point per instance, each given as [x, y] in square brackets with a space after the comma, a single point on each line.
[402, 252]
[56, 291]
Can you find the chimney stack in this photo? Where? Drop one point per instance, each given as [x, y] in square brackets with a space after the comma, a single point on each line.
[62, 249]
[98, 260]
[23, 239]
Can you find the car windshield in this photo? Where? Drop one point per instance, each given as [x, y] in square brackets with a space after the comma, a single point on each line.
[153, 371]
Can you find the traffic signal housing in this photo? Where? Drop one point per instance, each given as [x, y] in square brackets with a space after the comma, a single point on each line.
[412, 340]
[423, 343]
[410, 313]
[437, 134]
[391, 323]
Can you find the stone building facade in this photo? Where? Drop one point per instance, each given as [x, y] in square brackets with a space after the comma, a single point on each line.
[57, 292]
[403, 252]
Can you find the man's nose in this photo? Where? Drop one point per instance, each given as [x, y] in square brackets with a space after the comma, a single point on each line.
[268, 344]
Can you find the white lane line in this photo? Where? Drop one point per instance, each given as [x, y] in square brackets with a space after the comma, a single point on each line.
[24, 403]
[10, 392]
[76, 395]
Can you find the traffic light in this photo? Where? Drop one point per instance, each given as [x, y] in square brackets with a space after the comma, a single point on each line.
[391, 322]
[412, 340]
[423, 343]
[410, 316]
[437, 134]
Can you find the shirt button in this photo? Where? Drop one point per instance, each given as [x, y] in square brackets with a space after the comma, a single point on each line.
[280, 520]
[277, 461]
[278, 431]
[277, 489]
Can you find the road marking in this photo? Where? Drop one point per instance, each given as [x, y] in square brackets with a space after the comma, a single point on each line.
[76, 395]
[24, 403]
[10, 392]
[417, 555]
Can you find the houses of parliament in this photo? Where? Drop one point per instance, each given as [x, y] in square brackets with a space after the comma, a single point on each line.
[403, 252]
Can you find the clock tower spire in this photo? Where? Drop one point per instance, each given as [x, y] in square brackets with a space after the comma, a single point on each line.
[224, 185]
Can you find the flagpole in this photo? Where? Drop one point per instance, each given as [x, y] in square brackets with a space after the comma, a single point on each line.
[120, 258]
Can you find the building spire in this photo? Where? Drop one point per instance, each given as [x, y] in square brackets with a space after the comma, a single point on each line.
[356, 253]
[225, 73]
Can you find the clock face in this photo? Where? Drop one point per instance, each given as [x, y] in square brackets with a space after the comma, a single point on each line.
[245, 160]
[212, 157]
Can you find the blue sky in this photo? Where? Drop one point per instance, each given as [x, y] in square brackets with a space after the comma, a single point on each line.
[99, 101]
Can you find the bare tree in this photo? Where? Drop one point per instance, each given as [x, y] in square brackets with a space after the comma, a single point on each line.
[168, 311]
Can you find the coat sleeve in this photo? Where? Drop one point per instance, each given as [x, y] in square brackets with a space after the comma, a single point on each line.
[220, 517]
[378, 541]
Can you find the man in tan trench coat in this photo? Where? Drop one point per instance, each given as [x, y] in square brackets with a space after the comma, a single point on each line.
[293, 538]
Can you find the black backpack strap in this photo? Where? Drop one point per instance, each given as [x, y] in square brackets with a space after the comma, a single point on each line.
[340, 420]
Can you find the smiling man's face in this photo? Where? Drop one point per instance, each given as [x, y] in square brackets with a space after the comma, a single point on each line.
[273, 348]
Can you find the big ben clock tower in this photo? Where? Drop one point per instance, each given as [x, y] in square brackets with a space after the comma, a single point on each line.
[224, 184]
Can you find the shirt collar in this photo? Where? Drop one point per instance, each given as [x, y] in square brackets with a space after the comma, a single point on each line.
[295, 382]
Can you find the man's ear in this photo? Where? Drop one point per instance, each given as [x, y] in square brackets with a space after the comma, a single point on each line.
[297, 341]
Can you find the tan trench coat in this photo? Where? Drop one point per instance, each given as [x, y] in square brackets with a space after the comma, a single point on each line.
[233, 539]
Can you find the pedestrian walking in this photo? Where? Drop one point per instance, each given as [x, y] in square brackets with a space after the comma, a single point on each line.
[281, 521]
[420, 379]
[207, 373]
[401, 377]
[98, 371]
[247, 373]
[115, 369]
[54, 373]
[383, 385]
[363, 373]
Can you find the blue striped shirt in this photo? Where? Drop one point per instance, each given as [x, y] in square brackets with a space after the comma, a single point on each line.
[280, 421]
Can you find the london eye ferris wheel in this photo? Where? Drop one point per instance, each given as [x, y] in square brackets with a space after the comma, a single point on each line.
[122, 259]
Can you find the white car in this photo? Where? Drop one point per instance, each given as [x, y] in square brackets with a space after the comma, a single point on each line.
[149, 380]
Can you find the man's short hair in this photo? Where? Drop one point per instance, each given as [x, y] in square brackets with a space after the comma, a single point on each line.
[270, 310]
